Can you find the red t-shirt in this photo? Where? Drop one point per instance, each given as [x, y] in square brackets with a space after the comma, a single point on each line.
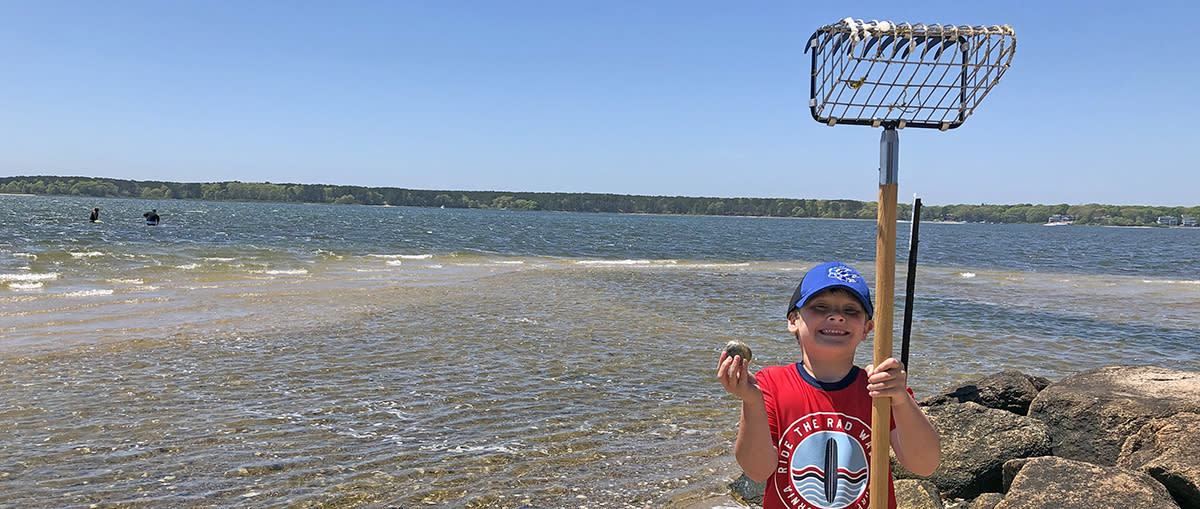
[823, 431]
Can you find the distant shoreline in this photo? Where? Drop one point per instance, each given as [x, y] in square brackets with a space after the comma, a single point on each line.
[1088, 214]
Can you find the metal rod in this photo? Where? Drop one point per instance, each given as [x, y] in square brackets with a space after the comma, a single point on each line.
[910, 282]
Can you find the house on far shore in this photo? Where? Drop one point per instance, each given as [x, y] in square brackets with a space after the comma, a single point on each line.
[1059, 219]
[1168, 220]
[1187, 221]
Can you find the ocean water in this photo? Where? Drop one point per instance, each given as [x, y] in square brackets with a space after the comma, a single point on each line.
[287, 355]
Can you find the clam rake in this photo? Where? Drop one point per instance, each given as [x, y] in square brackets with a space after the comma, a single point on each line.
[898, 75]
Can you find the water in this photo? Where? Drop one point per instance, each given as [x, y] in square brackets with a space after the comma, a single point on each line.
[269, 355]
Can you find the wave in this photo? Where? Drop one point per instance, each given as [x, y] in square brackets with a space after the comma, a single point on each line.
[88, 293]
[402, 256]
[88, 254]
[29, 277]
[283, 272]
[626, 262]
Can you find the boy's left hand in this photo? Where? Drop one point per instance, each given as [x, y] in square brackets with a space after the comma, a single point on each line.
[888, 380]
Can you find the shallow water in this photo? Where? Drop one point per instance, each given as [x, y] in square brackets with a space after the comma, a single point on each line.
[302, 355]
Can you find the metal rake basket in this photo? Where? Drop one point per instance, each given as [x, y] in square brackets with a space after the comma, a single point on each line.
[904, 74]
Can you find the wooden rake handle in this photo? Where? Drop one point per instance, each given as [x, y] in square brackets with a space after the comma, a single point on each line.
[885, 283]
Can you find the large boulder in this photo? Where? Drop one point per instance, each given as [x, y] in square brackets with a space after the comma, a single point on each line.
[1168, 450]
[976, 441]
[1068, 484]
[1090, 414]
[1008, 390]
[918, 494]
[986, 501]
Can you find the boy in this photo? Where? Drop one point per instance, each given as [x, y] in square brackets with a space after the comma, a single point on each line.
[806, 427]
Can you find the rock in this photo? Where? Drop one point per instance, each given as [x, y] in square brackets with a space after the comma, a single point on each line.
[986, 501]
[917, 494]
[1007, 390]
[1168, 450]
[1009, 471]
[1068, 484]
[748, 490]
[1090, 414]
[976, 441]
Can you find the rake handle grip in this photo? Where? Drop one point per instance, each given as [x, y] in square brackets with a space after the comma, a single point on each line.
[885, 281]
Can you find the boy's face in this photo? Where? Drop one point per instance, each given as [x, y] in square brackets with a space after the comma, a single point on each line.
[832, 320]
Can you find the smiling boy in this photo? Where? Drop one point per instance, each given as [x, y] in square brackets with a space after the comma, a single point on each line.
[805, 427]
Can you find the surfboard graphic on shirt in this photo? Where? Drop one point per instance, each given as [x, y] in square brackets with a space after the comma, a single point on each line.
[827, 461]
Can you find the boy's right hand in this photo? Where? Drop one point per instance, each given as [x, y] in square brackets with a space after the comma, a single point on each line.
[734, 374]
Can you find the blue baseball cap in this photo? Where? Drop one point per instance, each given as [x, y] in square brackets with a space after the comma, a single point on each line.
[829, 275]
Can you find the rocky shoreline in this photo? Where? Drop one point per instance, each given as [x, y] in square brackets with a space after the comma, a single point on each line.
[1119, 436]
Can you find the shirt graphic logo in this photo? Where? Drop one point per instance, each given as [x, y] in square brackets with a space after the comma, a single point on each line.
[823, 462]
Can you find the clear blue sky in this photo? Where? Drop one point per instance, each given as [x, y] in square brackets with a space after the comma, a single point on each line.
[689, 98]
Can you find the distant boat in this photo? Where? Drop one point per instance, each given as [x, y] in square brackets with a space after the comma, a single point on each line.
[1059, 220]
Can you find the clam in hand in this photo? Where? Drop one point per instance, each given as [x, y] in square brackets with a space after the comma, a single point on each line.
[736, 347]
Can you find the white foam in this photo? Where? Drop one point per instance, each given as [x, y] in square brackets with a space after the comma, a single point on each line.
[716, 265]
[25, 286]
[88, 254]
[402, 256]
[188, 266]
[88, 293]
[126, 281]
[1172, 282]
[31, 256]
[966, 274]
[626, 262]
[28, 277]
[286, 272]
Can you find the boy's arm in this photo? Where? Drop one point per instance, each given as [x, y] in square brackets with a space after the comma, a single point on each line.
[753, 448]
[916, 443]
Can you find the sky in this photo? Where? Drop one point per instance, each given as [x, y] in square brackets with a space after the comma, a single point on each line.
[662, 98]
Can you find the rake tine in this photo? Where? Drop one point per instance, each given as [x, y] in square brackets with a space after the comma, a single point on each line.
[946, 44]
[929, 44]
[870, 42]
[829, 36]
[912, 44]
[901, 41]
[841, 38]
[887, 40]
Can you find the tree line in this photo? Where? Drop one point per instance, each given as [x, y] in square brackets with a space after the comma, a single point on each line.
[1093, 214]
